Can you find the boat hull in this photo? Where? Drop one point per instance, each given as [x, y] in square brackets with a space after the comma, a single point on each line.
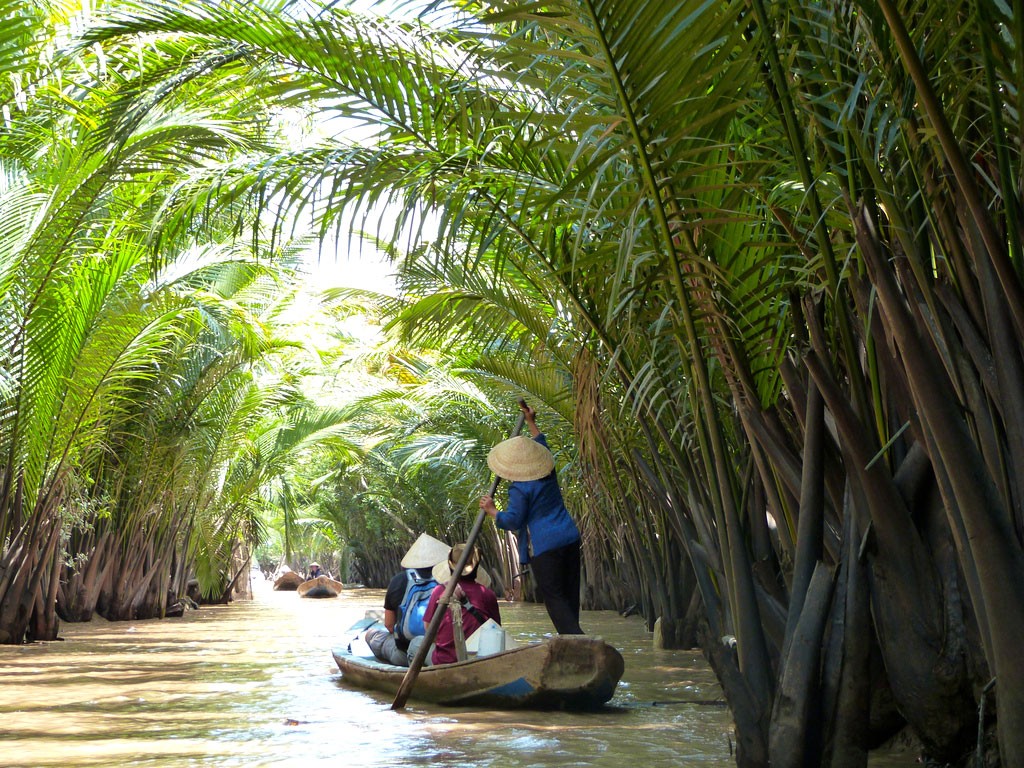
[288, 582]
[321, 586]
[565, 672]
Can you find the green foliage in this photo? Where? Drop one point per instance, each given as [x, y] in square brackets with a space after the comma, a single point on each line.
[669, 226]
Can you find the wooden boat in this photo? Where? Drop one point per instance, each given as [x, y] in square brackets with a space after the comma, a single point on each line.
[564, 672]
[321, 586]
[288, 582]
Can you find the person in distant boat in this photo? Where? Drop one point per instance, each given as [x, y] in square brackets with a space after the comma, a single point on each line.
[314, 571]
[405, 602]
[535, 502]
[472, 597]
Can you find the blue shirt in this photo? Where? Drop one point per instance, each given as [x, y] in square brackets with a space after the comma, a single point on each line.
[538, 505]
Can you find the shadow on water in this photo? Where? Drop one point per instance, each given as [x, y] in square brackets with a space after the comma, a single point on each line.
[254, 684]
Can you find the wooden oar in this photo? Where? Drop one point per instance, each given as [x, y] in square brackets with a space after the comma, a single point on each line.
[442, 604]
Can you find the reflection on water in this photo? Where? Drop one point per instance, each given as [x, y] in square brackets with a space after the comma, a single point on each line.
[254, 684]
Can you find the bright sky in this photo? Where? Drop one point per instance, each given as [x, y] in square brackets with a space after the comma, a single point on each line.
[350, 265]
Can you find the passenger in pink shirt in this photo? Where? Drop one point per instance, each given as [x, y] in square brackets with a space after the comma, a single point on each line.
[478, 603]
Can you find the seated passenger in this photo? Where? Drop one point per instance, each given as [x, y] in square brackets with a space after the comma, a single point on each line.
[474, 600]
[406, 601]
[314, 571]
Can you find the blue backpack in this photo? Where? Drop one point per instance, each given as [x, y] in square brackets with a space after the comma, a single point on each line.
[414, 604]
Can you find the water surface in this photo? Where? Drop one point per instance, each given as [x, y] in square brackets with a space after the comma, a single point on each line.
[254, 684]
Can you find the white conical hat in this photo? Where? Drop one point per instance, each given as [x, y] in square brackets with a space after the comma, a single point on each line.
[520, 458]
[425, 552]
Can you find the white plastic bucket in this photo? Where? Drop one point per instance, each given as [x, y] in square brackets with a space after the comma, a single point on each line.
[492, 639]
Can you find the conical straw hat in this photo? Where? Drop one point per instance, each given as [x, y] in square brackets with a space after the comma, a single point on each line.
[425, 552]
[520, 458]
[443, 570]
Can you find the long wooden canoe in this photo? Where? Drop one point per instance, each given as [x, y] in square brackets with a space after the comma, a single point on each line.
[564, 672]
[288, 581]
[321, 586]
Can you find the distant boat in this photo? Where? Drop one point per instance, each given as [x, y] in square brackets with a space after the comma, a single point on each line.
[288, 581]
[321, 586]
[565, 672]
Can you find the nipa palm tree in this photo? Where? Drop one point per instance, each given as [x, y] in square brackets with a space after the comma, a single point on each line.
[786, 238]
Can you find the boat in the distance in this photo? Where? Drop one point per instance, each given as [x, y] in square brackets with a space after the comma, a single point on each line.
[321, 586]
[576, 672]
[288, 581]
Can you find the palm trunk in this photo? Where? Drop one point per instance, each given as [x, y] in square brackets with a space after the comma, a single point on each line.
[792, 742]
[848, 682]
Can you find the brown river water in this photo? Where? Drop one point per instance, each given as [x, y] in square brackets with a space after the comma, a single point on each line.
[254, 684]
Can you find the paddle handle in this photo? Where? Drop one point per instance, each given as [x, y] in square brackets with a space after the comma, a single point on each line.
[442, 604]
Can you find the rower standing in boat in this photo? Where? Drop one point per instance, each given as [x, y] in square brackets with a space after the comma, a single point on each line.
[535, 503]
[391, 644]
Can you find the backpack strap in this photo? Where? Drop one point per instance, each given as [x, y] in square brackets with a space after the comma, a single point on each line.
[477, 613]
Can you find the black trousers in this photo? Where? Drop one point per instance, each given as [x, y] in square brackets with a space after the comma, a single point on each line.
[557, 574]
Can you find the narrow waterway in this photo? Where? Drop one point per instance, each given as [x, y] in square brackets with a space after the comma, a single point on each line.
[254, 684]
